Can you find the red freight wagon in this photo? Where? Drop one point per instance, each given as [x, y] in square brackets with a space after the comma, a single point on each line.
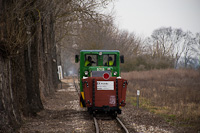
[104, 95]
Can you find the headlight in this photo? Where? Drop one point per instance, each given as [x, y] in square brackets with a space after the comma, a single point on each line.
[86, 72]
[115, 73]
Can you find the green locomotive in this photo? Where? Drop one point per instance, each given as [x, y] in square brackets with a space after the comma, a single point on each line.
[101, 86]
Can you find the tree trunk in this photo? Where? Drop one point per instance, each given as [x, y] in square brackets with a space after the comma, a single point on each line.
[8, 108]
[32, 74]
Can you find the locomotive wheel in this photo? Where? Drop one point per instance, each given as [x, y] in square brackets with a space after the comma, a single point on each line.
[90, 111]
[94, 113]
[114, 115]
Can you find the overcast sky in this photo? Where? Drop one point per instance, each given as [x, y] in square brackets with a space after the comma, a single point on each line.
[144, 16]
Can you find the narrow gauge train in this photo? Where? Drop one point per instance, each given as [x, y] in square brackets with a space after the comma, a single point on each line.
[101, 87]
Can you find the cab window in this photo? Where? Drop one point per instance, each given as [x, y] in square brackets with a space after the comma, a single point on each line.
[109, 60]
[91, 60]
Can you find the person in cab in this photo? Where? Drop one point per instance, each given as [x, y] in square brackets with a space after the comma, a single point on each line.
[89, 61]
[110, 62]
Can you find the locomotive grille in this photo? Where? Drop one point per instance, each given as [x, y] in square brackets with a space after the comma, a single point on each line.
[99, 73]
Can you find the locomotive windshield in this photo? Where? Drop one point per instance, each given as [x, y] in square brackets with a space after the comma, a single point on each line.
[109, 60]
[100, 60]
[91, 60]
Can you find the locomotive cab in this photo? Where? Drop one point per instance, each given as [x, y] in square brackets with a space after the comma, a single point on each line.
[101, 85]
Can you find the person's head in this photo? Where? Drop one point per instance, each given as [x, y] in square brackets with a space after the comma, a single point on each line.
[89, 58]
[110, 59]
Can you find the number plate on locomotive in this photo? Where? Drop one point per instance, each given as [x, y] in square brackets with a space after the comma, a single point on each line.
[100, 69]
[105, 85]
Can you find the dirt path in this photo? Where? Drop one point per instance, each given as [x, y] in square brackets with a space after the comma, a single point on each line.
[62, 114]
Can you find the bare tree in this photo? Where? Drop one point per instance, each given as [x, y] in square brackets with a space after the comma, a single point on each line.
[178, 45]
[192, 50]
[73, 19]
[162, 43]
[173, 43]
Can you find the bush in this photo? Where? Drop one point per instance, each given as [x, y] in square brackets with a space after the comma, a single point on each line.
[146, 62]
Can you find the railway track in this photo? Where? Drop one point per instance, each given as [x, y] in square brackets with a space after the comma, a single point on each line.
[76, 84]
[106, 124]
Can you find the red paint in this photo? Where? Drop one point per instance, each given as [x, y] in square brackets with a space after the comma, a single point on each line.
[104, 97]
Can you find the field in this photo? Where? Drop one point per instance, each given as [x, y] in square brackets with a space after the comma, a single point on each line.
[171, 94]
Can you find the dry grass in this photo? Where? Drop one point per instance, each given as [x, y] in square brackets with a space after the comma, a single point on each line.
[174, 94]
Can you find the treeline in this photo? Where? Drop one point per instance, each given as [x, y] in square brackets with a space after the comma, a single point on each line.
[166, 48]
[28, 68]
[30, 44]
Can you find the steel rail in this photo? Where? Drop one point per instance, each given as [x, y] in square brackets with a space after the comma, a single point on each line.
[96, 125]
[120, 122]
[75, 85]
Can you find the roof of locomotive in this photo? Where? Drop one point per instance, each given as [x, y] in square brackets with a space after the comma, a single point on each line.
[99, 51]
